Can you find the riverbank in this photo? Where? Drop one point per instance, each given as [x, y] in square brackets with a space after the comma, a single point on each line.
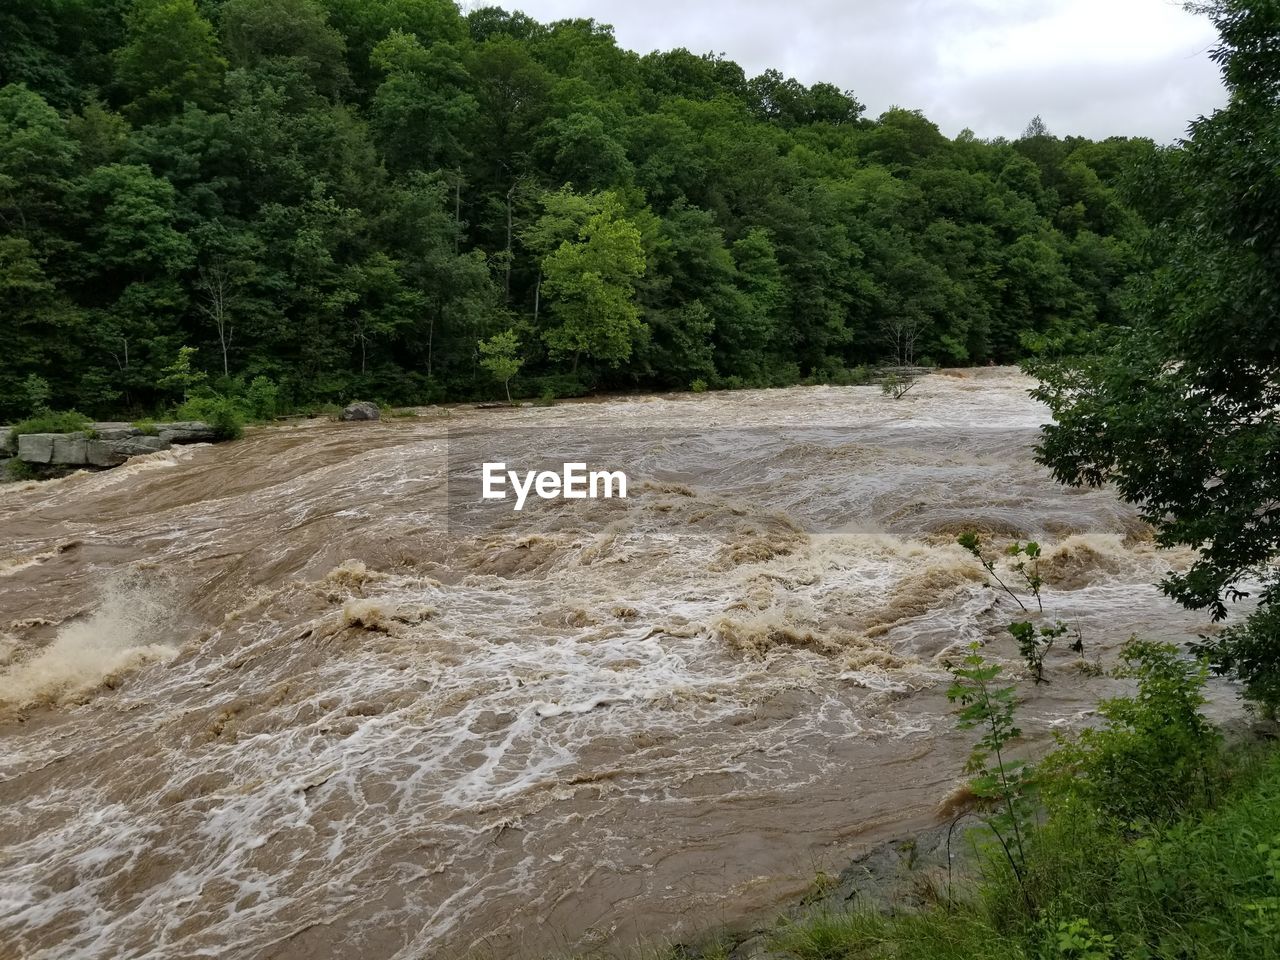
[1181, 862]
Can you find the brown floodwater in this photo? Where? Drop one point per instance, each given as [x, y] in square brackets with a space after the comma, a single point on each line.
[293, 697]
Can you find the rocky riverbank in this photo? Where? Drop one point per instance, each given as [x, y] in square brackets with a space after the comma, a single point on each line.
[101, 445]
[909, 873]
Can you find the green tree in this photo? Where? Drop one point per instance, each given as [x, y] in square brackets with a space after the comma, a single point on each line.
[366, 23]
[133, 261]
[500, 355]
[170, 58]
[422, 109]
[37, 160]
[294, 31]
[591, 282]
[1179, 410]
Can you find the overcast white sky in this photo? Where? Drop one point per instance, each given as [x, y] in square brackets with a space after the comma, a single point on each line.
[1091, 67]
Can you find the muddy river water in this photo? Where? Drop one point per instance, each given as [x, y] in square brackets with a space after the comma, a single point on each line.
[295, 697]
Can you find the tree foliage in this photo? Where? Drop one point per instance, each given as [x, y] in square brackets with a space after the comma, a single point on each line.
[346, 196]
[1179, 408]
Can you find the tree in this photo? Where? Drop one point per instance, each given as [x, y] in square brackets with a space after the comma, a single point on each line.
[422, 109]
[366, 23]
[591, 284]
[181, 376]
[133, 261]
[369, 187]
[39, 326]
[170, 58]
[37, 159]
[295, 31]
[1181, 410]
[500, 355]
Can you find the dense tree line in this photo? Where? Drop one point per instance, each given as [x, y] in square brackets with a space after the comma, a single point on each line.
[345, 197]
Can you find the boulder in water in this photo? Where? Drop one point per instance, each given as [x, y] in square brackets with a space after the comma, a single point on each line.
[112, 453]
[360, 410]
[109, 444]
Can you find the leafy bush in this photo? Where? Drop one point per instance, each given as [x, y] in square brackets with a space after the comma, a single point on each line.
[19, 470]
[261, 398]
[1250, 652]
[225, 415]
[698, 386]
[65, 421]
[1155, 754]
[1152, 842]
[835, 375]
[1077, 940]
[562, 385]
[547, 398]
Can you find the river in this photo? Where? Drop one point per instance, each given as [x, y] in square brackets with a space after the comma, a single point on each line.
[292, 697]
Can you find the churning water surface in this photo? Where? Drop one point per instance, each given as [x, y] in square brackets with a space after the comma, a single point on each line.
[291, 697]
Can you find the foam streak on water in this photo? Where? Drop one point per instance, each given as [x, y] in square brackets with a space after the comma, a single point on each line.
[265, 702]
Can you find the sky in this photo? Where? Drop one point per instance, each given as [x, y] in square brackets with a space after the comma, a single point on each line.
[1090, 67]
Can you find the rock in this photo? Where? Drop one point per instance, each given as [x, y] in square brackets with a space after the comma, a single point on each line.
[55, 449]
[757, 948]
[115, 431]
[77, 450]
[112, 453]
[6, 435]
[36, 447]
[188, 431]
[360, 410]
[70, 449]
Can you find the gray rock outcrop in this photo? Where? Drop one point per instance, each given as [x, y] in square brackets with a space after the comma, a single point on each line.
[38, 447]
[112, 453]
[360, 410]
[190, 431]
[108, 444]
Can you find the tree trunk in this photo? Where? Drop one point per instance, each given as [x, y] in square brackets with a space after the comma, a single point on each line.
[510, 194]
[223, 341]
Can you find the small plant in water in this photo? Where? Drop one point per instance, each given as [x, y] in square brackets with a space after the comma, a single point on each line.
[1008, 784]
[1034, 643]
[897, 385]
[971, 542]
[1028, 569]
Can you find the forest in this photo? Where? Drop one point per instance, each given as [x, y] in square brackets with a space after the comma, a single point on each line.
[309, 201]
